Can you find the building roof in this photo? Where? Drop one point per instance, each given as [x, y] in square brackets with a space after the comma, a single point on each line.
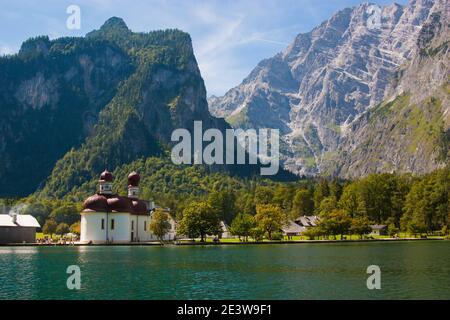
[307, 221]
[304, 221]
[292, 227]
[133, 179]
[225, 227]
[106, 176]
[6, 221]
[378, 226]
[115, 203]
[313, 220]
[22, 221]
[103, 202]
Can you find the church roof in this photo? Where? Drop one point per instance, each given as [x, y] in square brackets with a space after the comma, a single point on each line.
[133, 179]
[106, 176]
[114, 203]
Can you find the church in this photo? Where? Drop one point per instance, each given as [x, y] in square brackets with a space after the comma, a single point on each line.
[110, 218]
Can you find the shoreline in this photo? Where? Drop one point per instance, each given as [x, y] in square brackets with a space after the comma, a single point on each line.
[144, 244]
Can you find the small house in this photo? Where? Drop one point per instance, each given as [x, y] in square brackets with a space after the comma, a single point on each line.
[379, 230]
[226, 230]
[18, 228]
[292, 229]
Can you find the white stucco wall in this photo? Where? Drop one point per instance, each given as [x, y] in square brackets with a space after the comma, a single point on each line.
[139, 232]
[122, 231]
[91, 227]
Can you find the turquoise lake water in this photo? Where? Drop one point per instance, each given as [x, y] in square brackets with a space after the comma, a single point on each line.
[409, 270]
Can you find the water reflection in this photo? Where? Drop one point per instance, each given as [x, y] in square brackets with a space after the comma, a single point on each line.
[310, 271]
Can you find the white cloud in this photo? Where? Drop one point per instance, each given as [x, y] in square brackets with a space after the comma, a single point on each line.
[229, 37]
[6, 49]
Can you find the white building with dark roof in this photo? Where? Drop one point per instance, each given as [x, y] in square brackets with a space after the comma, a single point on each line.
[16, 228]
[110, 218]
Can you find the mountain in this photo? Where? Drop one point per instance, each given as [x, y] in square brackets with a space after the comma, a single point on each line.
[316, 90]
[51, 93]
[72, 107]
[410, 130]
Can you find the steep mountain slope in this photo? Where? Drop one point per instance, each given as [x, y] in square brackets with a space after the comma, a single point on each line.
[50, 96]
[324, 80]
[72, 107]
[410, 132]
[164, 92]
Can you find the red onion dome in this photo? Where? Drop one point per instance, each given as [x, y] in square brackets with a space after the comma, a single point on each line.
[133, 179]
[97, 203]
[120, 204]
[106, 176]
[139, 207]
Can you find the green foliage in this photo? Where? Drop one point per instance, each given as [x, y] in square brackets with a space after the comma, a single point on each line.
[427, 204]
[199, 219]
[277, 235]
[76, 228]
[243, 225]
[313, 233]
[327, 205]
[65, 108]
[257, 233]
[263, 195]
[62, 229]
[302, 204]
[416, 132]
[336, 222]
[245, 203]
[49, 227]
[160, 225]
[68, 214]
[269, 218]
[351, 200]
[117, 113]
[414, 204]
[360, 226]
[321, 191]
[39, 210]
[223, 203]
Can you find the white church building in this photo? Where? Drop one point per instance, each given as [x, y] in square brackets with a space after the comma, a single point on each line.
[110, 218]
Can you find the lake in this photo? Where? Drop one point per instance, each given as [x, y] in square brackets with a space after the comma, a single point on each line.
[409, 270]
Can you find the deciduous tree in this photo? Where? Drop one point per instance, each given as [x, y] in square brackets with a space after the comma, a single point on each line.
[49, 227]
[242, 225]
[159, 224]
[199, 219]
[270, 218]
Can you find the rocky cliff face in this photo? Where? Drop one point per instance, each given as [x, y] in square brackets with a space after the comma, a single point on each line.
[50, 97]
[75, 106]
[410, 131]
[164, 92]
[325, 80]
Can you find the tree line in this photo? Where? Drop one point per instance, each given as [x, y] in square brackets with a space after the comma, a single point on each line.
[258, 208]
[404, 203]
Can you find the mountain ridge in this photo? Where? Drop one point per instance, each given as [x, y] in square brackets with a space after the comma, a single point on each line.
[415, 113]
[105, 120]
[325, 79]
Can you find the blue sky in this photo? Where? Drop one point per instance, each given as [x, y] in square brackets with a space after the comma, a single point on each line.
[230, 36]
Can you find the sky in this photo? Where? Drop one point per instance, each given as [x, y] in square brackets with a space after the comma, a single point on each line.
[229, 37]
